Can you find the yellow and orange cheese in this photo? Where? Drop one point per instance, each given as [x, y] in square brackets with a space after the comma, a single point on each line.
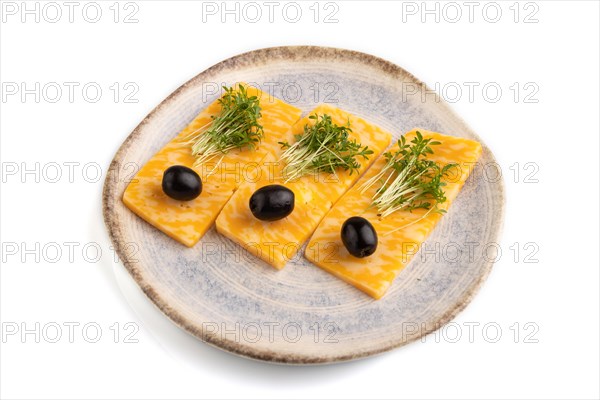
[188, 221]
[276, 242]
[374, 274]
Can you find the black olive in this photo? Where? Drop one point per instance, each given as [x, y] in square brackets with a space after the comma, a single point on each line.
[181, 183]
[272, 202]
[359, 237]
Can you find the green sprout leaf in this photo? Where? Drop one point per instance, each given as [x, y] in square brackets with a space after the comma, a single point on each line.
[409, 181]
[236, 126]
[323, 147]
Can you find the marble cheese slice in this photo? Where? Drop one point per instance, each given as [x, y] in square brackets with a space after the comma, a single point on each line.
[277, 242]
[374, 274]
[187, 221]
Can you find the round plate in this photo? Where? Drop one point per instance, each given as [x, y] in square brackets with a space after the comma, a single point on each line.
[302, 314]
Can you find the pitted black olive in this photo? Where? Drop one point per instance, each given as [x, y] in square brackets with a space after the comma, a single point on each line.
[272, 202]
[181, 183]
[359, 237]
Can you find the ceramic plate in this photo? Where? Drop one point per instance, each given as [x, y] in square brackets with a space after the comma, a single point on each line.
[302, 314]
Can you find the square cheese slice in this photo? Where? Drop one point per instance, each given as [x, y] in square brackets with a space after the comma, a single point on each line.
[374, 274]
[188, 221]
[277, 242]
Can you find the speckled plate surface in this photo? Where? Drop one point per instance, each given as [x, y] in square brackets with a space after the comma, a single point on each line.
[302, 314]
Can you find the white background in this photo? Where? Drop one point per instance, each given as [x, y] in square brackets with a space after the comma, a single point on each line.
[558, 215]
